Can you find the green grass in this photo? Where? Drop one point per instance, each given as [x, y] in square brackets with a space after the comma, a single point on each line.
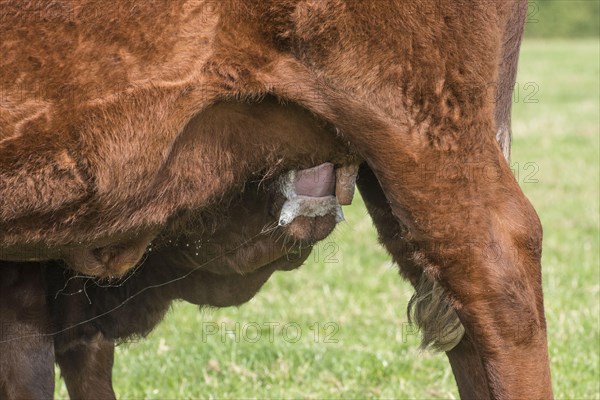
[351, 285]
[562, 19]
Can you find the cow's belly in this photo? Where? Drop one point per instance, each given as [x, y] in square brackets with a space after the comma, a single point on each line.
[220, 258]
[214, 159]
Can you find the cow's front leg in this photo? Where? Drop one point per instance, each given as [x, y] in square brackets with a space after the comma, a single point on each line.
[86, 366]
[26, 348]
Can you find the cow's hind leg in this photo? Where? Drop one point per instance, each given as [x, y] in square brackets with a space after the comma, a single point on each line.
[476, 236]
[86, 367]
[26, 348]
[474, 233]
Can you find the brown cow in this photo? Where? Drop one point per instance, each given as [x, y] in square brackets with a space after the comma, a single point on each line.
[92, 165]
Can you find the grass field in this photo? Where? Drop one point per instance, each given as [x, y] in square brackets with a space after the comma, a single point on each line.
[337, 327]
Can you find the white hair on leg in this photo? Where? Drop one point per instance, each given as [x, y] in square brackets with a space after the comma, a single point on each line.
[503, 136]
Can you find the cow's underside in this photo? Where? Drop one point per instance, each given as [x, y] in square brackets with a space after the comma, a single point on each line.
[119, 124]
[221, 265]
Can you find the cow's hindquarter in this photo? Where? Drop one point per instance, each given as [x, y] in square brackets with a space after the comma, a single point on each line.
[480, 240]
[422, 116]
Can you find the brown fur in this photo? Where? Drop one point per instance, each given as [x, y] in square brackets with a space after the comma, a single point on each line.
[409, 86]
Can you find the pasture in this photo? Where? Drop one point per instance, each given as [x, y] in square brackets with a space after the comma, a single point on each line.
[337, 327]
